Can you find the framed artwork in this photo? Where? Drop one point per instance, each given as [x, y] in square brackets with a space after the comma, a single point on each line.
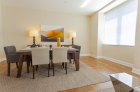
[50, 33]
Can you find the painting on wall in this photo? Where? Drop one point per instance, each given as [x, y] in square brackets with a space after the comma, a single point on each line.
[50, 33]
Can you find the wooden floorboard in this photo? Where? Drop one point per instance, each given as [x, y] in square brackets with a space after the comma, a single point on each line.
[103, 66]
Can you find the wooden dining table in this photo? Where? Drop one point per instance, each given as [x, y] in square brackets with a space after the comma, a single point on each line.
[28, 52]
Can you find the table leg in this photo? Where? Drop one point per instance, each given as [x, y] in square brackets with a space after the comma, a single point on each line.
[20, 65]
[132, 90]
[120, 86]
[76, 61]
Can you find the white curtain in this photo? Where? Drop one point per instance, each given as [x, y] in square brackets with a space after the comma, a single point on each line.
[120, 24]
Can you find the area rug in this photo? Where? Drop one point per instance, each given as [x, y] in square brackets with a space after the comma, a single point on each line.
[105, 90]
[61, 81]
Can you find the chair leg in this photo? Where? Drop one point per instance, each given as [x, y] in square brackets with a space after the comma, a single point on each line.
[31, 63]
[63, 64]
[33, 72]
[53, 69]
[73, 61]
[48, 69]
[27, 62]
[8, 66]
[17, 64]
[66, 67]
[36, 67]
[70, 60]
[29, 58]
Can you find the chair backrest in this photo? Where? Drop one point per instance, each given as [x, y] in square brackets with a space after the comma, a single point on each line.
[11, 50]
[40, 55]
[59, 54]
[77, 47]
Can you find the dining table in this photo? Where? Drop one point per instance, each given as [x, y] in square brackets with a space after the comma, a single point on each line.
[27, 51]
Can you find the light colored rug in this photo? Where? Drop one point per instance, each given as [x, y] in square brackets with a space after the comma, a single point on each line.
[61, 81]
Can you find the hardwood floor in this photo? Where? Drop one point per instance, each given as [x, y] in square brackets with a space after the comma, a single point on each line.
[103, 66]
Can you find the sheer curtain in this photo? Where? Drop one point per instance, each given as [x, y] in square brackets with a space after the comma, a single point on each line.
[120, 24]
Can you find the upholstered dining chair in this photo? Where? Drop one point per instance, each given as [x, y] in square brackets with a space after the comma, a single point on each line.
[13, 57]
[59, 55]
[40, 56]
[71, 56]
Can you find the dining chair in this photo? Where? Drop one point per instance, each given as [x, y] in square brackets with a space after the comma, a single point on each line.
[13, 57]
[71, 55]
[40, 56]
[59, 55]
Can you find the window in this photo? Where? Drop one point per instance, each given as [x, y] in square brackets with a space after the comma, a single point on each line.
[120, 24]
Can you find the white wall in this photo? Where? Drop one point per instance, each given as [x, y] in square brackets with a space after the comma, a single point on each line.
[93, 33]
[1, 38]
[101, 20]
[120, 53]
[97, 28]
[137, 46]
[16, 23]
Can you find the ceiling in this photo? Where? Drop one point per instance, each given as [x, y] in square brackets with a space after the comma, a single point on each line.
[64, 6]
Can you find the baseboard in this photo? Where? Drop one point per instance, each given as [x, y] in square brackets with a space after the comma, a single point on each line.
[118, 61]
[94, 56]
[85, 54]
[97, 57]
[137, 71]
[2, 59]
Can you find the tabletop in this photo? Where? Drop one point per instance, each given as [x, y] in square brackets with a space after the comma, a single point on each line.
[29, 49]
[127, 79]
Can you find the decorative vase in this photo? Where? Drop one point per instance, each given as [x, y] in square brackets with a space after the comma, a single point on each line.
[58, 42]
